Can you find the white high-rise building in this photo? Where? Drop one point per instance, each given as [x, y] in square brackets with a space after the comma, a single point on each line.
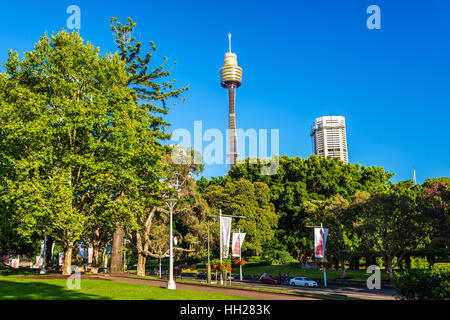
[330, 138]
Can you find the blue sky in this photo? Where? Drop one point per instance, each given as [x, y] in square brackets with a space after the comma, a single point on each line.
[301, 60]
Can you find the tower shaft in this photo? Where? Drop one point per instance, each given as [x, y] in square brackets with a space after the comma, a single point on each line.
[232, 125]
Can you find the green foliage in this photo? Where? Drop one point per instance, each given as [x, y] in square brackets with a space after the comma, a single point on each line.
[436, 205]
[336, 215]
[279, 257]
[423, 284]
[251, 200]
[80, 138]
[144, 192]
[298, 181]
[64, 108]
[392, 222]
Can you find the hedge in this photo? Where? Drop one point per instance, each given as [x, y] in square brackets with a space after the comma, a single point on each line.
[415, 284]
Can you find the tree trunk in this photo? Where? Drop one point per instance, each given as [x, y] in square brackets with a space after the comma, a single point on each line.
[142, 258]
[116, 250]
[104, 261]
[388, 266]
[96, 245]
[368, 260]
[67, 266]
[342, 263]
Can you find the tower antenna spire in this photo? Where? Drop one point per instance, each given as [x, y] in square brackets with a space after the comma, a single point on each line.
[229, 40]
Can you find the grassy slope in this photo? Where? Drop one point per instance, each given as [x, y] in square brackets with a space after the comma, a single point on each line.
[55, 289]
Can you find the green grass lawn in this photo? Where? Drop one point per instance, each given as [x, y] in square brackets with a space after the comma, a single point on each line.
[13, 287]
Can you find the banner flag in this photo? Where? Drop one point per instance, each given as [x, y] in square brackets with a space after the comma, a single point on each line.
[90, 254]
[238, 239]
[53, 247]
[15, 263]
[82, 250]
[39, 261]
[42, 248]
[61, 258]
[320, 241]
[225, 231]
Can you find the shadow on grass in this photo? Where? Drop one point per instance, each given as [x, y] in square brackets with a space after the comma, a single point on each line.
[11, 290]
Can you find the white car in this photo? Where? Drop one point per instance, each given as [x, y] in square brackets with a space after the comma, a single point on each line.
[302, 281]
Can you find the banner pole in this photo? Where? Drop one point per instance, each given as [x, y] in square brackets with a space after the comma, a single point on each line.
[240, 256]
[221, 246]
[323, 265]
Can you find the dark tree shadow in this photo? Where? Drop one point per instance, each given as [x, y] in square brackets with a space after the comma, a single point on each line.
[10, 290]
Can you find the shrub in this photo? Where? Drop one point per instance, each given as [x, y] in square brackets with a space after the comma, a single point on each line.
[416, 284]
[258, 261]
[280, 256]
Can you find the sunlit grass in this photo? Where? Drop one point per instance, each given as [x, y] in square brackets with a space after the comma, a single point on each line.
[55, 289]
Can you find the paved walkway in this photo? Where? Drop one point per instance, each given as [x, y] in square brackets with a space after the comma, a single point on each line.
[345, 291]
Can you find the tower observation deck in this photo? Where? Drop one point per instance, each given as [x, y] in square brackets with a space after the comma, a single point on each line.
[231, 78]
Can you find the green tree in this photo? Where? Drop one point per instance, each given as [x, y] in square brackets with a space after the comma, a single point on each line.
[251, 200]
[150, 212]
[392, 222]
[436, 204]
[334, 213]
[63, 107]
[151, 93]
[299, 180]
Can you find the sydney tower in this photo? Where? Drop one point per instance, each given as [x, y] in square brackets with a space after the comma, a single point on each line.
[231, 78]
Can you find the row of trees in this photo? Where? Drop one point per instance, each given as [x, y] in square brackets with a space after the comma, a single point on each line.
[81, 150]
[365, 212]
[82, 155]
[83, 159]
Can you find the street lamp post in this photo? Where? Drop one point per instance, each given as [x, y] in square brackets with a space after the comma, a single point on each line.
[171, 284]
[160, 267]
[240, 256]
[221, 245]
[208, 272]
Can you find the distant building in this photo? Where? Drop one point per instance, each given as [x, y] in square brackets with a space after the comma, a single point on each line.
[330, 138]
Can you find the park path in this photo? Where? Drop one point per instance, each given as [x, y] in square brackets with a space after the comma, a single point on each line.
[352, 292]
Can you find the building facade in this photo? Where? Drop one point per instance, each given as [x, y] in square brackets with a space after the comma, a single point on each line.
[330, 138]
